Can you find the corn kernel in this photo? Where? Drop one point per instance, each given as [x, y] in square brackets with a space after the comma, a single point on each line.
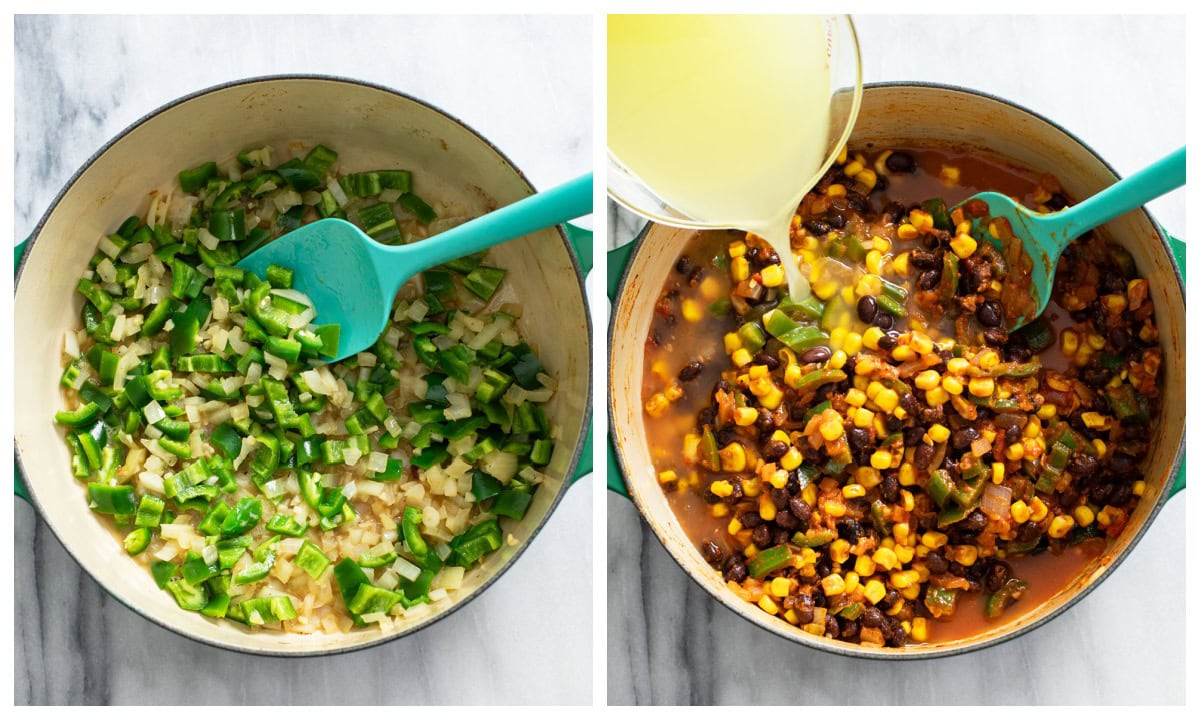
[965, 554]
[900, 532]
[964, 246]
[791, 459]
[842, 154]
[949, 175]
[1016, 451]
[1033, 428]
[852, 343]
[750, 551]
[733, 457]
[834, 508]
[780, 586]
[721, 488]
[1139, 488]
[739, 269]
[737, 248]
[867, 476]
[908, 474]
[1047, 411]
[885, 558]
[657, 404]
[854, 490]
[901, 353]
[766, 603]
[1084, 516]
[920, 629]
[864, 566]
[903, 579]
[1096, 340]
[904, 554]
[1070, 342]
[874, 591]
[867, 178]
[835, 190]
[745, 416]
[809, 494]
[881, 459]
[838, 360]
[863, 418]
[839, 550]
[927, 380]
[874, 262]
[832, 429]
[1101, 448]
[887, 400]
[1060, 526]
[766, 507]
[952, 385]
[981, 387]
[733, 343]
[1039, 510]
[906, 500]
[674, 391]
[921, 219]
[772, 276]
[791, 617]
[907, 232]
[1094, 420]
[720, 510]
[734, 527]
[900, 265]
[1020, 512]
[939, 433]
[997, 472]
[692, 312]
[958, 365]
[742, 357]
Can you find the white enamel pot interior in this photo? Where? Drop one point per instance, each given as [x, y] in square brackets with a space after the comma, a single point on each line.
[371, 128]
[915, 115]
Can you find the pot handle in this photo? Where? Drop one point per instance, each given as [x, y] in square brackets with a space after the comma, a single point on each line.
[18, 481]
[580, 240]
[1179, 250]
[618, 261]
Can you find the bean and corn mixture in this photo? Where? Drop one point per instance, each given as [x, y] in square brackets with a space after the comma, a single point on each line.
[884, 454]
[258, 483]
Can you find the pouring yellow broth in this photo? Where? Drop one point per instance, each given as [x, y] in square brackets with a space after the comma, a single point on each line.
[884, 463]
[257, 482]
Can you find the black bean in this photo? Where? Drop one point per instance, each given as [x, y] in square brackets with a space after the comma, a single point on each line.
[936, 562]
[801, 510]
[923, 456]
[837, 221]
[786, 520]
[894, 212]
[860, 439]
[691, 371]
[737, 573]
[891, 598]
[781, 536]
[817, 227]
[804, 607]
[963, 437]
[995, 337]
[974, 522]
[849, 629]
[929, 279]
[856, 202]
[770, 361]
[761, 536]
[997, 574]
[898, 637]
[901, 162]
[1028, 531]
[1120, 339]
[889, 488]
[707, 416]
[816, 354]
[750, 519]
[765, 423]
[924, 260]
[772, 450]
[884, 321]
[1096, 376]
[711, 552]
[914, 434]
[1057, 201]
[725, 436]
[850, 530]
[818, 597]
[872, 617]
[739, 490]
[867, 308]
[889, 341]
[990, 314]
[695, 276]
[684, 265]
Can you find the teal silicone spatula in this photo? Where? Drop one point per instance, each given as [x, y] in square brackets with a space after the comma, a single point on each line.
[352, 279]
[1046, 235]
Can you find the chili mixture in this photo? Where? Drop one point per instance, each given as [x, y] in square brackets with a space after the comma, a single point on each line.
[883, 462]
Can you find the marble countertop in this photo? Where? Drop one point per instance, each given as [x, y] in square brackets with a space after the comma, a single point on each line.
[81, 80]
[1119, 84]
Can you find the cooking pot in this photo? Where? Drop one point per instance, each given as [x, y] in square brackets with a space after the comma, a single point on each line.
[370, 127]
[913, 115]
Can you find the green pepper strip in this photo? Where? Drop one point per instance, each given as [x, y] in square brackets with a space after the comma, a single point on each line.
[769, 560]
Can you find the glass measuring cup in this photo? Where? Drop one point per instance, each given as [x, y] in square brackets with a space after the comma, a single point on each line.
[844, 97]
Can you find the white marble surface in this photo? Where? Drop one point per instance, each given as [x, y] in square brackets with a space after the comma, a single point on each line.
[1118, 83]
[81, 80]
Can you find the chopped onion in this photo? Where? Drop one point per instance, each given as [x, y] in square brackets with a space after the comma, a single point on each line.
[996, 500]
[70, 344]
[349, 490]
[209, 554]
[352, 456]
[108, 247]
[106, 270]
[207, 239]
[154, 412]
[418, 309]
[292, 294]
[377, 462]
[405, 569]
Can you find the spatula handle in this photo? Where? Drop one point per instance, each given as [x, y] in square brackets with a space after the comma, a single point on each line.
[1130, 193]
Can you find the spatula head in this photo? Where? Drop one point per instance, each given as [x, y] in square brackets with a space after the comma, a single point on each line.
[332, 264]
[1036, 241]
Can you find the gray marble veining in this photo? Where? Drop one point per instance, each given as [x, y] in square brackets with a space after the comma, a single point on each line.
[522, 82]
[669, 642]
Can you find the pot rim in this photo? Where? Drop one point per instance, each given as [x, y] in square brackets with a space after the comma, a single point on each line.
[751, 614]
[567, 483]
